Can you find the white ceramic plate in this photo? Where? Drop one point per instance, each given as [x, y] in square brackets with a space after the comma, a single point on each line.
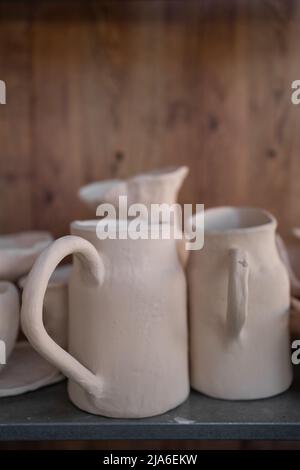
[26, 371]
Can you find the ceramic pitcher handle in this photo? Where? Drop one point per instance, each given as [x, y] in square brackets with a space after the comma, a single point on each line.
[32, 306]
[237, 300]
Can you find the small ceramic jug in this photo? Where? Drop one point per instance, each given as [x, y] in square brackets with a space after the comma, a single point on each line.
[128, 351]
[239, 302]
[55, 311]
[9, 319]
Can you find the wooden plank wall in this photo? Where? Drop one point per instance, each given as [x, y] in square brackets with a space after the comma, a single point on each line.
[100, 89]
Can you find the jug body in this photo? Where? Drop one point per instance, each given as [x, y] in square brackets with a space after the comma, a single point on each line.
[129, 331]
[239, 301]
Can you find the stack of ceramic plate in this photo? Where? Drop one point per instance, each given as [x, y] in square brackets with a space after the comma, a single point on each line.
[22, 369]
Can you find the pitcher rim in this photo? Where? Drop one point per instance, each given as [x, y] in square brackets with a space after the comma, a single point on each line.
[90, 225]
[270, 220]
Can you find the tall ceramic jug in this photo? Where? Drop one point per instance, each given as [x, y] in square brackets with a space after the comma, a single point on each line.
[128, 351]
[239, 302]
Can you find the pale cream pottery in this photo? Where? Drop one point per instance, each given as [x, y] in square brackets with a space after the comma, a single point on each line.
[9, 319]
[239, 308]
[55, 310]
[128, 345]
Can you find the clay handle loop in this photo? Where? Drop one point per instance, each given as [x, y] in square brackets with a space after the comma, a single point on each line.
[237, 300]
[32, 306]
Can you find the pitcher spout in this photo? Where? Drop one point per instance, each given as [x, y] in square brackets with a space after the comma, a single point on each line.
[157, 187]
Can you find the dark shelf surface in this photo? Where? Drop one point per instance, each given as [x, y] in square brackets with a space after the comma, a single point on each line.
[48, 414]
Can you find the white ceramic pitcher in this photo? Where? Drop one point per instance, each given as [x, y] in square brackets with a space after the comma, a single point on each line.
[239, 302]
[128, 351]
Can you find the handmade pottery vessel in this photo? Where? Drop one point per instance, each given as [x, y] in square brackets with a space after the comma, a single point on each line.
[239, 307]
[9, 319]
[128, 351]
[159, 186]
[19, 251]
[55, 309]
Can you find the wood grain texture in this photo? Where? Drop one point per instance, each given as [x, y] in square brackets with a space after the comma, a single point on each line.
[102, 89]
[16, 209]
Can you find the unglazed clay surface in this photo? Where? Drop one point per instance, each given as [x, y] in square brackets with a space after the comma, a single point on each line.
[128, 339]
[239, 308]
[9, 317]
[19, 251]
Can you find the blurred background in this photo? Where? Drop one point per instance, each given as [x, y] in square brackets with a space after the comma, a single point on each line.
[101, 89]
[106, 89]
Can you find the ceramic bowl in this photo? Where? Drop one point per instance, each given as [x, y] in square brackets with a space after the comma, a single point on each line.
[19, 251]
[9, 320]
